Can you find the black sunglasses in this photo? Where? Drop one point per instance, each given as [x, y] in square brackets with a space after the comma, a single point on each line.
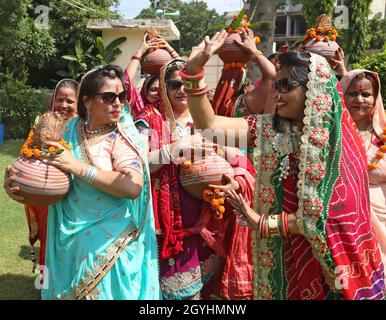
[174, 84]
[284, 85]
[110, 97]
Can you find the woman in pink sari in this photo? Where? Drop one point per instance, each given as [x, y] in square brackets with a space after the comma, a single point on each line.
[362, 93]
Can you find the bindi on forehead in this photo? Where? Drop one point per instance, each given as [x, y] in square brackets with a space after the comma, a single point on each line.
[363, 85]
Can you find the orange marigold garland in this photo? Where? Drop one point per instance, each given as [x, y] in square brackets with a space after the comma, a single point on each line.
[216, 201]
[380, 154]
[28, 150]
[327, 34]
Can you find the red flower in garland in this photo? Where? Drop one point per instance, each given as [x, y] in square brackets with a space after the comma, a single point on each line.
[313, 208]
[267, 196]
[316, 172]
[266, 259]
[319, 137]
[269, 163]
[323, 71]
[322, 103]
[319, 245]
[265, 292]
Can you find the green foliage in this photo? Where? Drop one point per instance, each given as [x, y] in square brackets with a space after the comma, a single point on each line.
[312, 9]
[195, 22]
[376, 63]
[83, 60]
[359, 29]
[377, 26]
[19, 106]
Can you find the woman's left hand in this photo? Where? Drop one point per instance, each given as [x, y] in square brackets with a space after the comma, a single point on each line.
[231, 184]
[239, 204]
[64, 160]
[249, 42]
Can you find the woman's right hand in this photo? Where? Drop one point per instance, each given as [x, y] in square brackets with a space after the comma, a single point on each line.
[193, 146]
[147, 45]
[204, 51]
[8, 179]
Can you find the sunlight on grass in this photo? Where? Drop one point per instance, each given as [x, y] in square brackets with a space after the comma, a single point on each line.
[16, 277]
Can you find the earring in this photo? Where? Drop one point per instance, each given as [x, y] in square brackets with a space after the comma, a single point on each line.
[88, 118]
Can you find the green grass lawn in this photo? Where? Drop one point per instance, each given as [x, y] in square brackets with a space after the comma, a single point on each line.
[16, 277]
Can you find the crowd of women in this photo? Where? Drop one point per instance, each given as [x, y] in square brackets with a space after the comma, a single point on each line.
[305, 212]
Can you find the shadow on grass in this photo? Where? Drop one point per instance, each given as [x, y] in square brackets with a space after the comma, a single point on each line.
[25, 252]
[18, 287]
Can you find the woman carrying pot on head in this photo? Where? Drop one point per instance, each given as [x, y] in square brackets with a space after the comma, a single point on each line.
[149, 89]
[311, 194]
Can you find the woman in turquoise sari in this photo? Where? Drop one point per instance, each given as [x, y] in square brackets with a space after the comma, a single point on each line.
[101, 240]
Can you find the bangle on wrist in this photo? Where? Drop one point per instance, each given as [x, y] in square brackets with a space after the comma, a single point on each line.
[89, 174]
[135, 57]
[257, 53]
[194, 84]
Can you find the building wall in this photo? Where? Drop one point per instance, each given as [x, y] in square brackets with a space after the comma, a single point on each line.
[129, 47]
[378, 6]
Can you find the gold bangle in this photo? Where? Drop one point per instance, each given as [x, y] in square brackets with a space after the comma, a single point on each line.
[258, 53]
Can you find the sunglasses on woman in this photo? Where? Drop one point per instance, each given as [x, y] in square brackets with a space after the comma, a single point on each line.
[284, 85]
[174, 84]
[110, 97]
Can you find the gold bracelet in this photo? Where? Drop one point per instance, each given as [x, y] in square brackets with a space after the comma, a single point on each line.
[257, 53]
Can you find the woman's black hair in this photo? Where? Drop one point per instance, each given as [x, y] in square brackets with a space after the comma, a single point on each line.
[92, 82]
[273, 56]
[298, 66]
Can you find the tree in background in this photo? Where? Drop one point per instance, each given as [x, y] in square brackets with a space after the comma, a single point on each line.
[312, 9]
[358, 39]
[195, 22]
[377, 26]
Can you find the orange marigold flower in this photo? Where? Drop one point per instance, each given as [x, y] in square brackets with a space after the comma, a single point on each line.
[67, 147]
[29, 153]
[312, 34]
[320, 29]
[383, 148]
[36, 153]
[235, 17]
[379, 155]
[326, 38]
[306, 38]
[52, 149]
[245, 16]
[230, 30]
[221, 201]
[384, 130]
[207, 195]
[221, 209]
[335, 32]
[333, 38]
[384, 138]
[372, 166]
[218, 216]
[257, 40]
[217, 191]
[318, 38]
[247, 24]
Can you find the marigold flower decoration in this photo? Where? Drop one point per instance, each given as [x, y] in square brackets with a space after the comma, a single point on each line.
[239, 22]
[216, 201]
[323, 31]
[380, 154]
[28, 150]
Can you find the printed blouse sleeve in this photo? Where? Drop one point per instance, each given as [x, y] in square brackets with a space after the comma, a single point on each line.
[252, 126]
[125, 157]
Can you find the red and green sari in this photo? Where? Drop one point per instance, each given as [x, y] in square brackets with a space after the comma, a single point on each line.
[336, 256]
